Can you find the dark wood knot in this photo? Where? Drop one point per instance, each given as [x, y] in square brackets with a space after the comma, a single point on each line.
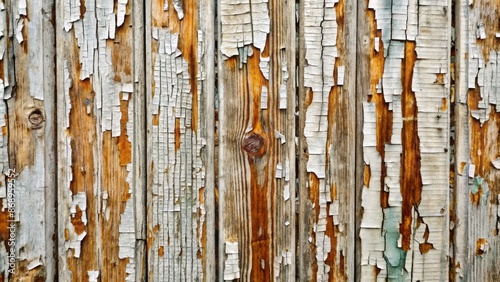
[36, 119]
[253, 144]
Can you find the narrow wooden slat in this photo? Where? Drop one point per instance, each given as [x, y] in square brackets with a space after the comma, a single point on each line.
[257, 140]
[98, 160]
[477, 156]
[327, 140]
[27, 190]
[180, 122]
[405, 57]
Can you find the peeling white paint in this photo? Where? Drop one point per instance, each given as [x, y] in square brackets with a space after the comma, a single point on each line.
[244, 23]
[321, 31]
[231, 262]
[178, 172]
[400, 22]
[93, 275]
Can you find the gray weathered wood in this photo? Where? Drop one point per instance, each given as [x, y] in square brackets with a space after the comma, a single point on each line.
[27, 83]
[477, 129]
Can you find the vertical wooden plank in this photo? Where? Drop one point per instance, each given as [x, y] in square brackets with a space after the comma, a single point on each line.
[139, 149]
[477, 158]
[327, 140]
[404, 228]
[27, 190]
[257, 140]
[180, 121]
[98, 128]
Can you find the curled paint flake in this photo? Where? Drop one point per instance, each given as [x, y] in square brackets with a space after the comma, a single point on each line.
[19, 31]
[231, 264]
[121, 10]
[178, 8]
[496, 163]
[93, 275]
[22, 7]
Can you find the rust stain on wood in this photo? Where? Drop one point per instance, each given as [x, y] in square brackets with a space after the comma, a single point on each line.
[384, 116]
[367, 175]
[114, 181]
[411, 180]
[83, 135]
[124, 145]
[120, 47]
[177, 133]
[480, 246]
[484, 146]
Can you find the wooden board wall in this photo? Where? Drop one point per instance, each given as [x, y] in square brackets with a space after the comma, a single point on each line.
[250, 140]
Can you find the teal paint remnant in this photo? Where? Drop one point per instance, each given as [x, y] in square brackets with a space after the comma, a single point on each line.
[394, 256]
[474, 189]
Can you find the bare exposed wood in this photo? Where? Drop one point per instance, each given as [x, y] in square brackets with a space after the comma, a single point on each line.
[257, 134]
[477, 173]
[99, 178]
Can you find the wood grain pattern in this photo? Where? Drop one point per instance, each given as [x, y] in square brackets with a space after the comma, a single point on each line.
[181, 206]
[477, 155]
[256, 141]
[27, 73]
[404, 226]
[97, 158]
[327, 140]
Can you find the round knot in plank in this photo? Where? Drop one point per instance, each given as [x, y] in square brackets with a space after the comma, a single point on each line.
[254, 144]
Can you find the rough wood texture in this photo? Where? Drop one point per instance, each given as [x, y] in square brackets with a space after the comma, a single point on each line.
[404, 225]
[327, 140]
[27, 85]
[477, 157]
[97, 131]
[180, 66]
[257, 140]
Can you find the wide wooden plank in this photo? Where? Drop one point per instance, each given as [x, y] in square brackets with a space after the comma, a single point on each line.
[477, 155]
[180, 121]
[99, 108]
[27, 188]
[405, 70]
[327, 140]
[256, 178]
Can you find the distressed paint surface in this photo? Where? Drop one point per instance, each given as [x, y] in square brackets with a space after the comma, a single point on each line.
[178, 247]
[477, 110]
[327, 141]
[404, 234]
[257, 140]
[97, 177]
[27, 77]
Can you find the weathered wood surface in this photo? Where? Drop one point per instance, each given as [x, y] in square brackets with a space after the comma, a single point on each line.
[477, 134]
[180, 86]
[327, 66]
[405, 88]
[27, 142]
[364, 149]
[257, 140]
[98, 131]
